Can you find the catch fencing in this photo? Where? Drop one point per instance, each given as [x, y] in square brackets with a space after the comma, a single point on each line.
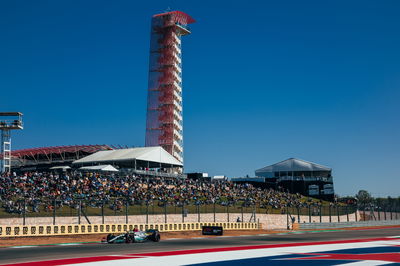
[54, 209]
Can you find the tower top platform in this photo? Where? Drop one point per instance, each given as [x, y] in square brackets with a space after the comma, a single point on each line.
[13, 120]
[179, 16]
[11, 114]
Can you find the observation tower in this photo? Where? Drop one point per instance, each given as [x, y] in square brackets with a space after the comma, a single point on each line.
[164, 125]
[9, 121]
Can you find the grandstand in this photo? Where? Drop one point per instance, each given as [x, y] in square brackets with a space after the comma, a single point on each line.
[296, 176]
[145, 161]
[45, 158]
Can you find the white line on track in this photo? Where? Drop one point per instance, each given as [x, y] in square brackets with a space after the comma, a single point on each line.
[366, 263]
[184, 259]
[24, 247]
[394, 237]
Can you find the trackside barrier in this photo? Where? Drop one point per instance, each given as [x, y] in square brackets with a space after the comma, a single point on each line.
[304, 226]
[80, 229]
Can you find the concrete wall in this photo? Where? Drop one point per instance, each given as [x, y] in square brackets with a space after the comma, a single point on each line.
[379, 215]
[349, 224]
[267, 221]
[279, 221]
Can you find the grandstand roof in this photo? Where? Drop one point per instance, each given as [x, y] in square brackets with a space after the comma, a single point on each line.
[105, 168]
[59, 149]
[292, 164]
[64, 167]
[248, 179]
[151, 154]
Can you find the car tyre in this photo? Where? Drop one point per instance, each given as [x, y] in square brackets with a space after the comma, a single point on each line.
[129, 238]
[156, 237]
[109, 237]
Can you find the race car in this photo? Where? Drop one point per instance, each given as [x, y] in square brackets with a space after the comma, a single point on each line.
[133, 236]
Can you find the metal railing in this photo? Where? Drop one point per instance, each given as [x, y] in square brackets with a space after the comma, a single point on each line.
[158, 174]
[82, 208]
[307, 226]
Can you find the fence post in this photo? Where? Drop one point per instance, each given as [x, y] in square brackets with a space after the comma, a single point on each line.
[227, 211]
[355, 213]
[242, 212]
[165, 212]
[298, 214]
[102, 211]
[255, 211]
[337, 211]
[320, 213]
[309, 213]
[364, 217]
[79, 211]
[214, 212]
[126, 211]
[347, 212]
[330, 213]
[384, 212]
[183, 210]
[115, 207]
[147, 211]
[54, 211]
[391, 213]
[24, 212]
[198, 213]
[287, 217]
[379, 213]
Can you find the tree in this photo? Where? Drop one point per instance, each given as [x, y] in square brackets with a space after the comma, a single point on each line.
[380, 203]
[363, 197]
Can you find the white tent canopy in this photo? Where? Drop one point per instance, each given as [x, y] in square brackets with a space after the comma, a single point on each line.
[105, 168]
[291, 165]
[65, 167]
[149, 154]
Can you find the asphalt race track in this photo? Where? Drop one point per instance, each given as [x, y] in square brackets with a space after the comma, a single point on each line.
[40, 253]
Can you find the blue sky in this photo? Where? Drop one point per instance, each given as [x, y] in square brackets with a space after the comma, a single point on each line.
[263, 81]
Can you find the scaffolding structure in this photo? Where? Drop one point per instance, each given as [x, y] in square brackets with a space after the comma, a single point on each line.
[11, 121]
[164, 124]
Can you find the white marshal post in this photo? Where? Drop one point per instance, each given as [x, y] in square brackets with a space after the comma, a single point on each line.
[8, 121]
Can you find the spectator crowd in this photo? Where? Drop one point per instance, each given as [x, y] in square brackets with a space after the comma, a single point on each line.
[32, 190]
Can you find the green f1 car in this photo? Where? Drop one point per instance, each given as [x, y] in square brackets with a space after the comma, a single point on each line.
[133, 237]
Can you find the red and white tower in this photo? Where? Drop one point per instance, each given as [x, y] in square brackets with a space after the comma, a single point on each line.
[164, 125]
